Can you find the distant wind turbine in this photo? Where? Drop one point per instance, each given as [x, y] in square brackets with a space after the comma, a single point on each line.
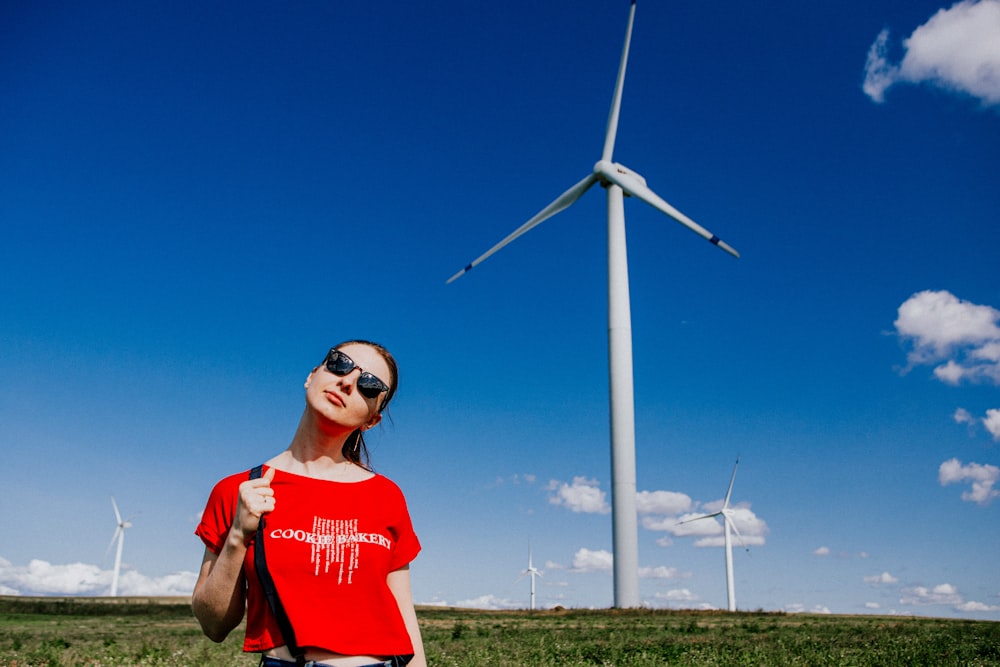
[532, 572]
[727, 519]
[119, 534]
[619, 181]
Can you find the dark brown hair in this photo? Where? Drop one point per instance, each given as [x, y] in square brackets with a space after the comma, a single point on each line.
[355, 450]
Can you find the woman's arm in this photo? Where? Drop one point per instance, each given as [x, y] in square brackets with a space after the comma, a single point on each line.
[399, 584]
[219, 598]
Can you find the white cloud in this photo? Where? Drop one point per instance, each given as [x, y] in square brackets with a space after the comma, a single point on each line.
[983, 478]
[941, 594]
[488, 601]
[684, 526]
[992, 423]
[963, 416]
[660, 572]
[962, 335]
[938, 321]
[673, 512]
[40, 577]
[799, 608]
[751, 531]
[879, 73]
[583, 495]
[822, 551]
[957, 49]
[585, 560]
[668, 524]
[950, 372]
[881, 579]
[972, 605]
[676, 595]
[710, 532]
[662, 502]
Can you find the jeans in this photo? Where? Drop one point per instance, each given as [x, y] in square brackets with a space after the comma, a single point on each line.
[395, 661]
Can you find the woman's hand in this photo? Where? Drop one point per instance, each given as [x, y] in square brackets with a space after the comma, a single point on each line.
[256, 498]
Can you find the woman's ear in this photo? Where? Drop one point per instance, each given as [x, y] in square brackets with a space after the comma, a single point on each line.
[376, 418]
[310, 377]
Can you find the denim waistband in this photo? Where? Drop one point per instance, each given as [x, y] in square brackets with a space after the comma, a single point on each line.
[394, 661]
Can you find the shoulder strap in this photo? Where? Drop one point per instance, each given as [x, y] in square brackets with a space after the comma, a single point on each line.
[267, 583]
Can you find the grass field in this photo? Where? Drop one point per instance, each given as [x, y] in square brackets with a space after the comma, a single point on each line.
[36, 632]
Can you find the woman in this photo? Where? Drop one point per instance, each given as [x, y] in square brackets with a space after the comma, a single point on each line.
[339, 539]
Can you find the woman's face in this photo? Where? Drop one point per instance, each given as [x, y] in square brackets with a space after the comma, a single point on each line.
[337, 397]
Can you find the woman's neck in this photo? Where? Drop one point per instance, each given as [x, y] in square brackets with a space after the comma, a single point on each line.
[317, 452]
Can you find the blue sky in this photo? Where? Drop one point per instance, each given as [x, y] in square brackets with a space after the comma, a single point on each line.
[196, 201]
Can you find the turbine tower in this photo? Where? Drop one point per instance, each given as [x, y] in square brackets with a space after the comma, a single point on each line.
[727, 520]
[532, 572]
[619, 181]
[119, 534]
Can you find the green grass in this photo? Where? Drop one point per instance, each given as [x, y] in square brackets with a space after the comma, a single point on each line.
[37, 632]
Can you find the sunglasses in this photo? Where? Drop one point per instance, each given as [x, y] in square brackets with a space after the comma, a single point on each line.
[340, 365]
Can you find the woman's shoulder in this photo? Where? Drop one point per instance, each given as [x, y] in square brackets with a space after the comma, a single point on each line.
[233, 479]
[381, 479]
[386, 487]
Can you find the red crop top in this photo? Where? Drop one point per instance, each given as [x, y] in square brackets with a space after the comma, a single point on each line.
[330, 547]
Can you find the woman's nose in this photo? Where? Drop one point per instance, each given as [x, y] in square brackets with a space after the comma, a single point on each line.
[348, 381]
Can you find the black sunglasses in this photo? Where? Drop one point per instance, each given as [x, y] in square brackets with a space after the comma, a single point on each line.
[340, 364]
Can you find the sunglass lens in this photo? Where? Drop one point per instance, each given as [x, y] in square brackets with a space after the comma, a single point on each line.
[339, 363]
[370, 386]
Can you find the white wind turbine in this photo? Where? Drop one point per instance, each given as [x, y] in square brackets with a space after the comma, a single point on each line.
[727, 520]
[532, 572]
[619, 181]
[119, 534]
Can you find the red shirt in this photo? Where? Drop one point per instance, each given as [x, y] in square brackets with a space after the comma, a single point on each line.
[330, 547]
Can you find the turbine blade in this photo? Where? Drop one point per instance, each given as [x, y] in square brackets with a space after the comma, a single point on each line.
[118, 516]
[616, 99]
[698, 518]
[562, 202]
[732, 479]
[643, 192]
[114, 537]
[739, 536]
[635, 185]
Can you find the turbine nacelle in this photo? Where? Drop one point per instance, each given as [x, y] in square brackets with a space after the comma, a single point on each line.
[613, 172]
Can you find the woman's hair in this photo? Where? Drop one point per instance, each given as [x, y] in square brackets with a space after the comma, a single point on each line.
[355, 450]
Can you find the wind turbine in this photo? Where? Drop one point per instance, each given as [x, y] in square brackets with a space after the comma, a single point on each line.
[532, 572]
[727, 519]
[119, 534]
[619, 181]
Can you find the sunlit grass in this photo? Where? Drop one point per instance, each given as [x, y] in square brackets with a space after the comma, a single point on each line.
[39, 632]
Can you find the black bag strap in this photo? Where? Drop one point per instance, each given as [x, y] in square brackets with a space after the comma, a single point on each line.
[267, 583]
